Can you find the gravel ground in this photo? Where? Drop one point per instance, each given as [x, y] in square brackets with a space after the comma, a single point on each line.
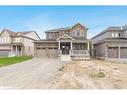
[95, 74]
[31, 74]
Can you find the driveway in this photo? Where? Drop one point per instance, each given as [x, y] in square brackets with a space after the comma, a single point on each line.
[31, 74]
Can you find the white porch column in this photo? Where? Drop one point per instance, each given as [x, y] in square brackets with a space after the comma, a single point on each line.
[71, 53]
[88, 46]
[71, 46]
[59, 45]
[16, 49]
[106, 50]
[119, 52]
[11, 48]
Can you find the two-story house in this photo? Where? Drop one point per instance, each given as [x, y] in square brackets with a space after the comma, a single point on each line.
[64, 43]
[111, 44]
[17, 43]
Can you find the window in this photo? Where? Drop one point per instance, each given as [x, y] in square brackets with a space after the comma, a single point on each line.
[2, 39]
[119, 34]
[78, 31]
[29, 48]
[17, 39]
[115, 34]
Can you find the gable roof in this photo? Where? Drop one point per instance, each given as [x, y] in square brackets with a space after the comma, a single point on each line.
[65, 36]
[116, 28]
[124, 27]
[66, 28]
[9, 31]
[112, 40]
[18, 33]
[23, 33]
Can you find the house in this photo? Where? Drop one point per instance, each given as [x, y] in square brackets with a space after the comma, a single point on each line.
[17, 43]
[111, 44]
[65, 43]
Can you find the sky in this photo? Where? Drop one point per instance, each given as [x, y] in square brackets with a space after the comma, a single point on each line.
[42, 18]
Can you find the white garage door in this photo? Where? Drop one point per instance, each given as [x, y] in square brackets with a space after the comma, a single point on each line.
[46, 53]
[4, 52]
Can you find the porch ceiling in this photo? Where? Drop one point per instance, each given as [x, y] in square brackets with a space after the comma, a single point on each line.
[18, 44]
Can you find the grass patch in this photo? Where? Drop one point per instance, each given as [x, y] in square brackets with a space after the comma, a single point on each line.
[98, 75]
[61, 69]
[13, 60]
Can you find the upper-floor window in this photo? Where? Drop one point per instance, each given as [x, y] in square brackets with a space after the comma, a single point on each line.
[17, 39]
[119, 34]
[114, 34]
[4, 39]
[78, 31]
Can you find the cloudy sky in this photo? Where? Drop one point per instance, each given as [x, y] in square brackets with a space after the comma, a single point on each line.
[42, 18]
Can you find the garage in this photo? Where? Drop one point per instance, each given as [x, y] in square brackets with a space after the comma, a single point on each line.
[112, 52]
[4, 52]
[123, 52]
[46, 53]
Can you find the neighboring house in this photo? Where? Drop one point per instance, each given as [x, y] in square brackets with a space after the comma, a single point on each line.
[64, 43]
[111, 43]
[16, 43]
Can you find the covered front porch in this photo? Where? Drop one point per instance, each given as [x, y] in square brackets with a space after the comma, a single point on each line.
[16, 49]
[74, 48]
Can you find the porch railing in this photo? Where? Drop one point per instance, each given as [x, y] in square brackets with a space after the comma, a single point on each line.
[15, 53]
[59, 52]
[76, 53]
[80, 53]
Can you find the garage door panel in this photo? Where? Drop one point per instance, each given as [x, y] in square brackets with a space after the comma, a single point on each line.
[46, 53]
[112, 52]
[123, 52]
[4, 52]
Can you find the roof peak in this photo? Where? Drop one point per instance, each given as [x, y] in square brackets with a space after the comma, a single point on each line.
[65, 28]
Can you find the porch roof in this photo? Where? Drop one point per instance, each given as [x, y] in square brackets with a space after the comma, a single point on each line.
[119, 40]
[8, 44]
[46, 41]
[65, 37]
[16, 43]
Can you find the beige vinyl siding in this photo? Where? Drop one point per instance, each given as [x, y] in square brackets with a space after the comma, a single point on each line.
[5, 37]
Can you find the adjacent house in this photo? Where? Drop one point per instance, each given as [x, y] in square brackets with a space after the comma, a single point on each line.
[111, 44]
[65, 43]
[17, 43]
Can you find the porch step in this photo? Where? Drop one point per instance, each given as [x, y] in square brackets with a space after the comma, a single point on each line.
[65, 58]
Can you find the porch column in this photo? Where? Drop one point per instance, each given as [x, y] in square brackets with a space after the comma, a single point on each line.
[71, 46]
[119, 52]
[106, 50]
[87, 45]
[16, 49]
[59, 45]
[71, 53]
[11, 48]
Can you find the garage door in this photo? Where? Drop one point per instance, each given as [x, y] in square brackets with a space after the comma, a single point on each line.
[123, 52]
[46, 53]
[112, 52]
[4, 52]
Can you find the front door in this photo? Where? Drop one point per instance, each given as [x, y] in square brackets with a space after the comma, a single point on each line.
[65, 47]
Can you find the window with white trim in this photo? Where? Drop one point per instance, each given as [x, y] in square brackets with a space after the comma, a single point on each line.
[17, 39]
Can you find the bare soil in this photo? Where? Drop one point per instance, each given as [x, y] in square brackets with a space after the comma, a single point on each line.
[94, 74]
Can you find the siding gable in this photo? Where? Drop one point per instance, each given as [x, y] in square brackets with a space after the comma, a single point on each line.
[32, 35]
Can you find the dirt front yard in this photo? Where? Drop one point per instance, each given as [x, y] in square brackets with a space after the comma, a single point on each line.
[95, 74]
